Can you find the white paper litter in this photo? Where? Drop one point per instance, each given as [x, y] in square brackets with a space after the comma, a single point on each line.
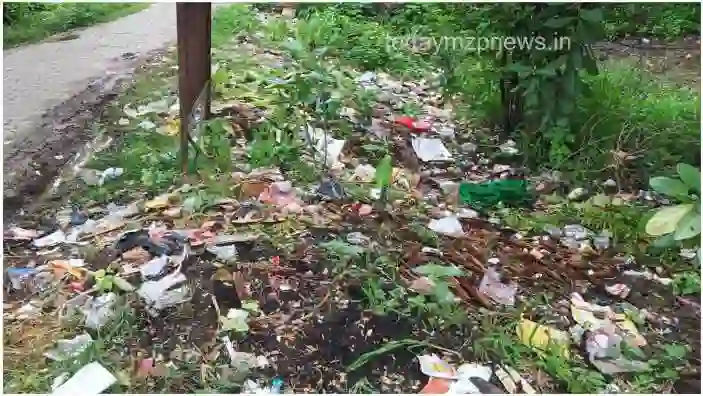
[319, 139]
[50, 240]
[449, 225]
[433, 366]
[463, 385]
[154, 267]
[69, 348]
[91, 379]
[99, 310]
[429, 149]
[157, 294]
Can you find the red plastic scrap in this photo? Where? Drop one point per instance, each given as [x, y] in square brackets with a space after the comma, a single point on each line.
[413, 124]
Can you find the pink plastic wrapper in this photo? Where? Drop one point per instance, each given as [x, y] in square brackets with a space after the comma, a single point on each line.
[495, 289]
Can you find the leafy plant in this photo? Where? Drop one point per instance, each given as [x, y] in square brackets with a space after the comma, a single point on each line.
[682, 221]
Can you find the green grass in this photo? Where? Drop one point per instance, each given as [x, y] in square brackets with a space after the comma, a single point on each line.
[30, 26]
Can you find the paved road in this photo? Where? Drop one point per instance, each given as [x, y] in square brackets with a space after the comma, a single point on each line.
[52, 91]
[38, 77]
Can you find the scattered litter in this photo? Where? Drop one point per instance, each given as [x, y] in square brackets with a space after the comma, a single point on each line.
[19, 276]
[155, 267]
[542, 337]
[577, 194]
[330, 189]
[436, 386]
[446, 132]
[78, 217]
[466, 213]
[254, 388]
[28, 310]
[53, 239]
[368, 77]
[159, 202]
[576, 231]
[449, 225]
[99, 310]
[430, 149]
[648, 275]
[236, 320]
[508, 148]
[604, 352]
[413, 124]
[493, 286]
[279, 193]
[91, 379]
[69, 348]
[513, 381]
[225, 253]
[433, 366]
[365, 210]
[688, 254]
[326, 145]
[159, 295]
[20, 234]
[110, 174]
[602, 318]
[364, 173]
[357, 238]
[619, 290]
[465, 373]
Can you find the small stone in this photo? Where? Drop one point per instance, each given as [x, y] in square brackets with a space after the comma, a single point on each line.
[446, 131]
[468, 147]
[283, 186]
[498, 168]
[466, 213]
[610, 183]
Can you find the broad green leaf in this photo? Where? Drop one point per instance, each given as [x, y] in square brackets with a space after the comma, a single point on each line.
[601, 200]
[594, 15]
[556, 23]
[689, 226]
[442, 292]
[105, 283]
[438, 271]
[666, 219]
[384, 172]
[690, 176]
[668, 186]
[665, 241]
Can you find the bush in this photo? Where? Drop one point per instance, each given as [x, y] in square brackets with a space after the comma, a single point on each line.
[30, 22]
[662, 20]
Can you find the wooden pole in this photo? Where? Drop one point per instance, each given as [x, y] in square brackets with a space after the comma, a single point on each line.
[194, 34]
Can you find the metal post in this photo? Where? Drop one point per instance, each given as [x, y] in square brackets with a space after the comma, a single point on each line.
[194, 34]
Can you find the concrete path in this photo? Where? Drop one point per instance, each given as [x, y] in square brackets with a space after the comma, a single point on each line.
[38, 77]
[53, 91]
